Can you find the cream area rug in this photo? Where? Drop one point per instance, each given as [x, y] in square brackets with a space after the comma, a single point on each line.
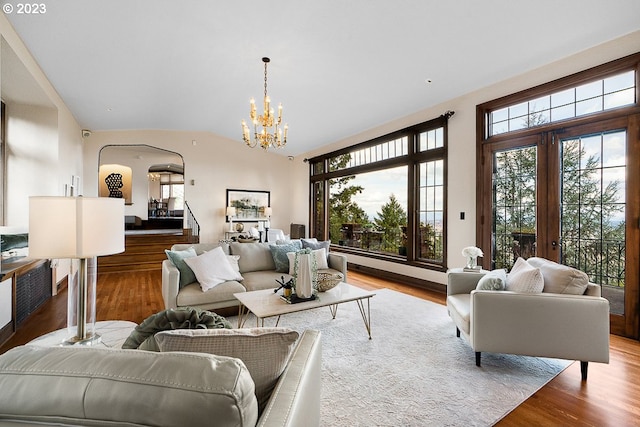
[414, 371]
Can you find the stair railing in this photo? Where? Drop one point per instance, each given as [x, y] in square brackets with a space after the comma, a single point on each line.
[192, 222]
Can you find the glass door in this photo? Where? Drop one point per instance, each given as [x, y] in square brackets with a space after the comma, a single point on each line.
[570, 196]
[596, 221]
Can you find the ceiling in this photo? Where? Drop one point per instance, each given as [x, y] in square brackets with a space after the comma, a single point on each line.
[338, 67]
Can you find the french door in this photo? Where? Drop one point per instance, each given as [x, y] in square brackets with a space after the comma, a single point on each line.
[571, 195]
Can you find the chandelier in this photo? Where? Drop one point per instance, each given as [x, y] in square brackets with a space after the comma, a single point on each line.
[270, 134]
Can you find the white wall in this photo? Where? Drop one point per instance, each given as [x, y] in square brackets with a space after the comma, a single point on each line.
[44, 144]
[215, 164]
[462, 148]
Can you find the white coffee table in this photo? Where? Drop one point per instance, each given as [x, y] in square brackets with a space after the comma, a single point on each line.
[266, 303]
[113, 334]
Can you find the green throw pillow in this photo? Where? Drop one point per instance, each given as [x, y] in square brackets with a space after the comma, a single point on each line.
[279, 254]
[177, 258]
[142, 337]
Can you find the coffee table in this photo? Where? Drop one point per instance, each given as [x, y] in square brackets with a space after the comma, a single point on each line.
[266, 303]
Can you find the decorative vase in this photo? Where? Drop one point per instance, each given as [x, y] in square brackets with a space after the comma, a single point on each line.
[304, 282]
[305, 274]
[472, 262]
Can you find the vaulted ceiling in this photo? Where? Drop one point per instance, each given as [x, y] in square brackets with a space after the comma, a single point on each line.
[338, 67]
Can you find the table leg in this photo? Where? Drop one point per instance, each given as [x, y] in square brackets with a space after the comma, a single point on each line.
[366, 314]
[243, 313]
[334, 310]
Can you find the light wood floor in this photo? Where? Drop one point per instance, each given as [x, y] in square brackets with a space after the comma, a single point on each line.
[609, 398]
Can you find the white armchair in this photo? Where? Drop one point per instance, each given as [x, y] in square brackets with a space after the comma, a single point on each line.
[562, 326]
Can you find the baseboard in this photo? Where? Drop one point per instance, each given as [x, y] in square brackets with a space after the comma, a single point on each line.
[396, 277]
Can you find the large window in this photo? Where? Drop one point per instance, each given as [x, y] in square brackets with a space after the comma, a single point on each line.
[385, 198]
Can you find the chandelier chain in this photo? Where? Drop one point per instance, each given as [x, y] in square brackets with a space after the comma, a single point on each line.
[265, 79]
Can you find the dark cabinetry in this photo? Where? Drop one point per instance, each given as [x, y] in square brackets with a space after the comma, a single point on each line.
[33, 288]
[25, 284]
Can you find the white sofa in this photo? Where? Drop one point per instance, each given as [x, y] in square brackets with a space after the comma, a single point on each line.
[256, 265]
[547, 324]
[110, 387]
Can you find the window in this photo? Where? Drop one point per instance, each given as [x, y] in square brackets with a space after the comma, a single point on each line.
[385, 198]
[172, 186]
[596, 96]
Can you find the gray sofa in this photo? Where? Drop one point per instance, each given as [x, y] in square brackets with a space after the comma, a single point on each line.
[109, 387]
[560, 322]
[256, 266]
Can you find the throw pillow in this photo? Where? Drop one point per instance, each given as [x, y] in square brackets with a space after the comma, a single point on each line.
[318, 254]
[177, 258]
[233, 262]
[311, 244]
[212, 268]
[279, 254]
[495, 280]
[321, 258]
[560, 279]
[142, 337]
[264, 351]
[296, 242]
[525, 278]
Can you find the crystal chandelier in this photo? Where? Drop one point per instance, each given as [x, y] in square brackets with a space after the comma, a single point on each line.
[270, 134]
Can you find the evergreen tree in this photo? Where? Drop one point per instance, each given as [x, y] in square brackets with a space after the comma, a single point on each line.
[389, 220]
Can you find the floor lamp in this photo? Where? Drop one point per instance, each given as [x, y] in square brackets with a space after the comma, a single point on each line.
[78, 228]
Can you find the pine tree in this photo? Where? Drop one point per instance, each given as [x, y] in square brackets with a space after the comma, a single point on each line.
[389, 220]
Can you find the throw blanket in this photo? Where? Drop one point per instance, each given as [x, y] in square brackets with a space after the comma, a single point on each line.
[142, 337]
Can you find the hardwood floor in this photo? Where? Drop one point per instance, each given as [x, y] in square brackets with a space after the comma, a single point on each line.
[609, 397]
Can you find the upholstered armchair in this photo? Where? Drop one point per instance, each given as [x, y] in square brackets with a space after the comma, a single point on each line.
[565, 320]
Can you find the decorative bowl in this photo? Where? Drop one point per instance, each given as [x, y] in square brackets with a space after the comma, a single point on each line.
[328, 281]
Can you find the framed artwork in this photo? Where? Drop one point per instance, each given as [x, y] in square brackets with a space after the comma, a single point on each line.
[249, 204]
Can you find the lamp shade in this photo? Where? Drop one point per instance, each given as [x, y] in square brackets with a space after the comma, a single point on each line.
[268, 211]
[75, 227]
[231, 211]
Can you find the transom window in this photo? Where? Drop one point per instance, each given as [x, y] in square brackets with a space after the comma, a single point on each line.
[599, 95]
[385, 150]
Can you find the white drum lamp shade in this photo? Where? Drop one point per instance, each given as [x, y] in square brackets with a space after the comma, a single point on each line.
[77, 228]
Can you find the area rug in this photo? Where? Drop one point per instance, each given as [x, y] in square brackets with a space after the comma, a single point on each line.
[414, 371]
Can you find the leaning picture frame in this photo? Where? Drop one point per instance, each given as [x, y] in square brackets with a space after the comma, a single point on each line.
[250, 204]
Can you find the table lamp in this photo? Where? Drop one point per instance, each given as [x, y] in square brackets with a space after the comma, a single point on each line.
[267, 224]
[231, 212]
[78, 228]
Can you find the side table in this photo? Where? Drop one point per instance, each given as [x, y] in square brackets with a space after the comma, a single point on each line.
[113, 333]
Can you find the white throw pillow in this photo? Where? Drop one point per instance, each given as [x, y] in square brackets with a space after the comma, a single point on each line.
[495, 280]
[264, 351]
[560, 279]
[319, 254]
[292, 261]
[233, 262]
[321, 258]
[212, 268]
[525, 278]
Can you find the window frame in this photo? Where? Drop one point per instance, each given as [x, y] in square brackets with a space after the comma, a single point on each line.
[319, 177]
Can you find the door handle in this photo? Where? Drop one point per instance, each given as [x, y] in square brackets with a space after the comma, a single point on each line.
[554, 244]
